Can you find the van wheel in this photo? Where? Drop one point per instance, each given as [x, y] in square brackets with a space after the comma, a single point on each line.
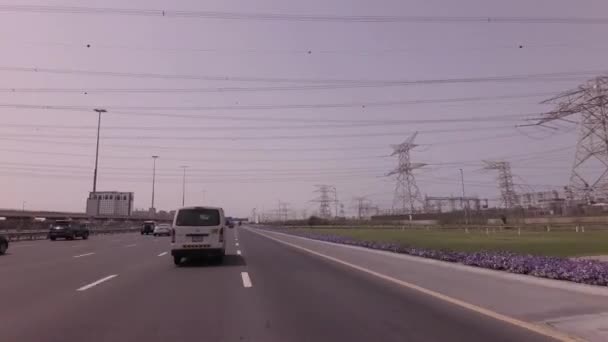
[177, 260]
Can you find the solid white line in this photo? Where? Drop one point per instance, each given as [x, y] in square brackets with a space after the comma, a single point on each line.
[132, 245]
[542, 330]
[95, 283]
[238, 252]
[163, 254]
[557, 284]
[83, 255]
[246, 280]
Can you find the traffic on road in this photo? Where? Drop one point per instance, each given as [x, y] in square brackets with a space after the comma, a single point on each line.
[263, 288]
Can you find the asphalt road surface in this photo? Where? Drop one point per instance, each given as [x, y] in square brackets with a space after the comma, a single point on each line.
[126, 288]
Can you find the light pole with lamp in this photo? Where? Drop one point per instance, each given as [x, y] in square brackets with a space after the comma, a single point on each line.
[153, 182]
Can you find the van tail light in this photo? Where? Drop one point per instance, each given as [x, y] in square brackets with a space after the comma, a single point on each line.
[221, 234]
[172, 235]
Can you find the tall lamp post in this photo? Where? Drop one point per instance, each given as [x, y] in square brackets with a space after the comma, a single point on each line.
[465, 207]
[184, 186]
[153, 180]
[99, 111]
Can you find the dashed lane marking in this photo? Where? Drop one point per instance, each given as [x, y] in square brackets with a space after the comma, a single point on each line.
[83, 255]
[163, 254]
[246, 280]
[97, 282]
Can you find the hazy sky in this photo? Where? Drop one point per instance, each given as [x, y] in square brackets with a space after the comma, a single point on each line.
[268, 150]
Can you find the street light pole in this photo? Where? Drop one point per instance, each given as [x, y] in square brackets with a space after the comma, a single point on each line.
[99, 111]
[464, 207]
[184, 186]
[153, 179]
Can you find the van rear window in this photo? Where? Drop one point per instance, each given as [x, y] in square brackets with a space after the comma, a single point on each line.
[198, 217]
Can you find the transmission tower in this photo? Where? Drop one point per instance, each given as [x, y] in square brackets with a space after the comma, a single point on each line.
[325, 199]
[363, 206]
[508, 195]
[407, 195]
[283, 211]
[590, 100]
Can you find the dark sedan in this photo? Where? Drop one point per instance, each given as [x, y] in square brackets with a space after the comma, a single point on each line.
[68, 230]
[3, 244]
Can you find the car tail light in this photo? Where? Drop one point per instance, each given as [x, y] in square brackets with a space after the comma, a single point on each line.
[172, 235]
[221, 234]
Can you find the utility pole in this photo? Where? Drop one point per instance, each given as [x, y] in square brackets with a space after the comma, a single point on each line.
[465, 208]
[184, 186]
[153, 180]
[336, 199]
[99, 111]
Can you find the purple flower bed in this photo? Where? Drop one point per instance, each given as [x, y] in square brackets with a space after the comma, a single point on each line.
[581, 271]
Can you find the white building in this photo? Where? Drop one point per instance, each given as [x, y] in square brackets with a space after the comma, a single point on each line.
[110, 203]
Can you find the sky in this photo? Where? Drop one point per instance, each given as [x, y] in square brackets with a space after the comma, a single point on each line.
[261, 111]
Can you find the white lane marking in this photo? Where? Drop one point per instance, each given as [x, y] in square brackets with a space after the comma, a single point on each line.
[95, 283]
[246, 280]
[131, 245]
[163, 254]
[237, 244]
[238, 252]
[542, 330]
[83, 255]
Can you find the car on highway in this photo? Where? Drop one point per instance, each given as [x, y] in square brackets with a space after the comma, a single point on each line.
[198, 232]
[69, 230]
[162, 229]
[3, 244]
[148, 227]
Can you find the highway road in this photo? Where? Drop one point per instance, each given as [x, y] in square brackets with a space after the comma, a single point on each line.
[126, 288]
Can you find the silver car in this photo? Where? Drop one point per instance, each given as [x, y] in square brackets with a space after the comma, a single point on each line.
[162, 229]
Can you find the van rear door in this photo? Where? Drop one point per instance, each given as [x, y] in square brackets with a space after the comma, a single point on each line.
[200, 226]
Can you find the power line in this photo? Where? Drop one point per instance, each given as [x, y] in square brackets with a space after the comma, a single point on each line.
[266, 137]
[543, 77]
[245, 16]
[328, 125]
[306, 52]
[122, 109]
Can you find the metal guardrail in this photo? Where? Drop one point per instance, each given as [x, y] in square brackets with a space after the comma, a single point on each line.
[43, 234]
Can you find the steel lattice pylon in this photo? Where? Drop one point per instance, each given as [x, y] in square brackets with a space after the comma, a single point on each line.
[590, 100]
[508, 195]
[324, 199]
[407, 195]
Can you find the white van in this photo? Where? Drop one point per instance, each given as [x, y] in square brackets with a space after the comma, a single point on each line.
[198, 232]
